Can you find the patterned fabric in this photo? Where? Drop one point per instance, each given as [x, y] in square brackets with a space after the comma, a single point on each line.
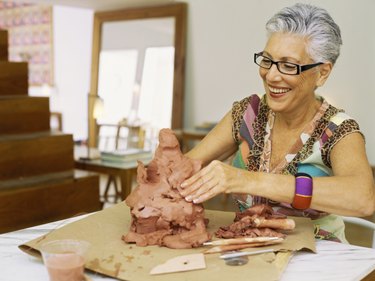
[252, 130]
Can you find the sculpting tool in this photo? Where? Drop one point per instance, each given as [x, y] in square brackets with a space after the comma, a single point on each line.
[241, 254]
[242, 240]
[180, 263]
[235, 247]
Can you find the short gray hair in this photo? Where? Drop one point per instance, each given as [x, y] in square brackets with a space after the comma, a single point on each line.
[313, 23]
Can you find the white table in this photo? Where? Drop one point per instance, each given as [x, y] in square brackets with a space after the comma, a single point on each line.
[334, 261]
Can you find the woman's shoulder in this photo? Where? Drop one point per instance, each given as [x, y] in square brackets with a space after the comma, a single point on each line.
[253, 99]
[338, 125]
[338, 117]
[252, 103]
[248, 106]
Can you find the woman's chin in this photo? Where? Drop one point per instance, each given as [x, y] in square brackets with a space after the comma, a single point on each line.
[276, 102]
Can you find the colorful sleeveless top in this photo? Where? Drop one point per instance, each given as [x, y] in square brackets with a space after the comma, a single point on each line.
[252, 130]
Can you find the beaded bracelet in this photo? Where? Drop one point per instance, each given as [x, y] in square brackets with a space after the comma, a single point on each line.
[303, 193]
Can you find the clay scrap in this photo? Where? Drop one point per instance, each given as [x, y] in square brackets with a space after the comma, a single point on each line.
[160, 215]
[257, 221]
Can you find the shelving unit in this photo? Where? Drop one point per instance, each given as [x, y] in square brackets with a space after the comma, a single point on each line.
[38, 182]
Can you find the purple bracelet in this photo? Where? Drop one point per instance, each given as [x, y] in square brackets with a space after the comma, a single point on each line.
[303, 192]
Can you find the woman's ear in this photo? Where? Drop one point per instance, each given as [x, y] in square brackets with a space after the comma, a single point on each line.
[324, 72]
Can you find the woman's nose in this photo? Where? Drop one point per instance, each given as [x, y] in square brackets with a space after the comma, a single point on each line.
[273, 73]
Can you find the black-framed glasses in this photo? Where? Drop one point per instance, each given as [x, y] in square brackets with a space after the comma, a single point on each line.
[284, 67]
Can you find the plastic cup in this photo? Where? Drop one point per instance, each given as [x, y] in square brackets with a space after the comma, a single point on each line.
[65, 259]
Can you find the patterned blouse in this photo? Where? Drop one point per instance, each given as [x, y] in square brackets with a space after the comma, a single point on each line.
[252, 130]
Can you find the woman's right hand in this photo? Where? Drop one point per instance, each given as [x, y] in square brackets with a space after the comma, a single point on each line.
[215, 178]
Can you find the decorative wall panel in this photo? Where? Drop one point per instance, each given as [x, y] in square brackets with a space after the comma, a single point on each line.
[30, 38]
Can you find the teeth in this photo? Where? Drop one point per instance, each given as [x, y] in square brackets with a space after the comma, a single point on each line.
[278, 91]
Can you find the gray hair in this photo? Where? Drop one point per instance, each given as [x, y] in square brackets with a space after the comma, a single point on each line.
[313, 23]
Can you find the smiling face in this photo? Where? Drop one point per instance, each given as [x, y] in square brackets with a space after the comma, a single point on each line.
[291, 93]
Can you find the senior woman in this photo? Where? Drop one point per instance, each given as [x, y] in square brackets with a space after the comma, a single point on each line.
[294, 151]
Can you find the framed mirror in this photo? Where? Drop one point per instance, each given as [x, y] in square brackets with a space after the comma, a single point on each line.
[138, 64]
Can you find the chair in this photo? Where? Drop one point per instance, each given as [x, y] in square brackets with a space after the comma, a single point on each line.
[118, 136]
[56, 121]
[129, 136]
[364, 223]
[107, 141]
[190, 138]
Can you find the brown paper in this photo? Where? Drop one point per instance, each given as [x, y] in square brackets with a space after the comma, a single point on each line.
[111, 256]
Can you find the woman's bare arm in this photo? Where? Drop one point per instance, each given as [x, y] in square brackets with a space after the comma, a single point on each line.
[217, 145]
[350, 191]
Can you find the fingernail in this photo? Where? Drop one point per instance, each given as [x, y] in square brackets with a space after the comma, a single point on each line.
[183, 184]
[195, 201]
[188, 198]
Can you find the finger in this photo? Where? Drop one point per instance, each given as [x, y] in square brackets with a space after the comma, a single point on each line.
[193, 181]
[208, 195]
[189, 187]
[196, 188]
[196, 176]
[205, 187]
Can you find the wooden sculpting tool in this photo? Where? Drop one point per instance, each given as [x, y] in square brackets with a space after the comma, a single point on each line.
[241, 240]
[234, 247]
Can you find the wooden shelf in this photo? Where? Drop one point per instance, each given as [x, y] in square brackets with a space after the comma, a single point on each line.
[38, 183]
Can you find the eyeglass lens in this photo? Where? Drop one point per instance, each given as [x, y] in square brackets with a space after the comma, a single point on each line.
[283, 67]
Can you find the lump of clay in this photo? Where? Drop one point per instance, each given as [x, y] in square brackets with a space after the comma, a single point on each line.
[259, 220]
[160, 215]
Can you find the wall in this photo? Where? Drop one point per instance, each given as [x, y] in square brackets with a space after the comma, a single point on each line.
[72, 32]
[73, 40]
[223, 35]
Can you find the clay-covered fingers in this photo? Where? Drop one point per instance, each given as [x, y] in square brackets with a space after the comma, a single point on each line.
[193, 184]
[204, 192]
[214, 190]
[208, 182]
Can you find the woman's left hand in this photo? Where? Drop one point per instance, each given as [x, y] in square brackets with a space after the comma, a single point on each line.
[212, 180]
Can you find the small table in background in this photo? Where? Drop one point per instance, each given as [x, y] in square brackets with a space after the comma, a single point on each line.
[187, 137]
[125, 170]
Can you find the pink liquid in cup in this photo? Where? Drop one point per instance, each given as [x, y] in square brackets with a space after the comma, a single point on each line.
[65, 267]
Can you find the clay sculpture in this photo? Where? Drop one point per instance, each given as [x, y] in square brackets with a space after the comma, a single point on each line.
[160, 215]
